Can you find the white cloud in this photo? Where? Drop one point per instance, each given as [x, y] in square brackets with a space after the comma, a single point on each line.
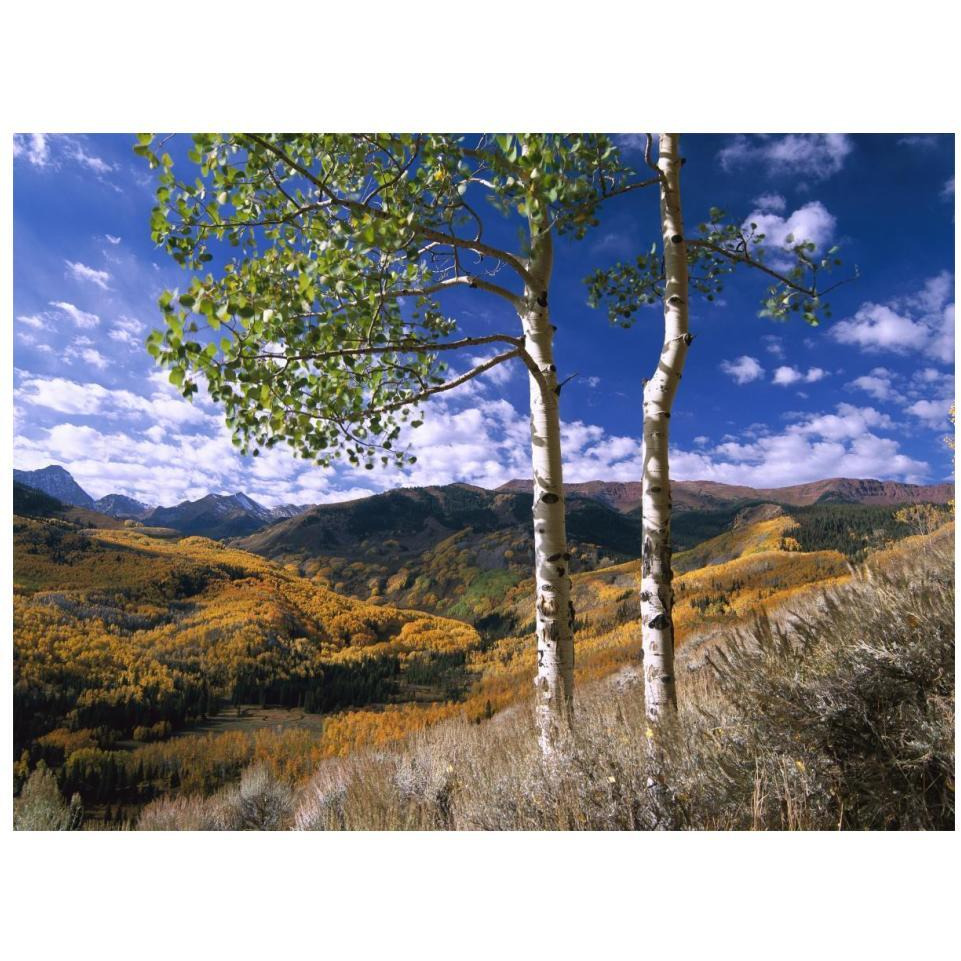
[94, 358]
[82, 272]
[879, 384]
[80, 317]
[164, 405]
[51, 150]
[33, 147]
[785, 376]
[773, 202]
[932, 413]
[128, 330]
[947, 191]
[96, 164]
[31, 320]
[817, 156]
[923, 322]
[112, 240]
[774, 345]
[924, 141]
[840, 444]
[812, 222]
[877, 327]
[743, 370]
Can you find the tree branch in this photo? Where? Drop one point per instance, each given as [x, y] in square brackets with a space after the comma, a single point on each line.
[401, 347]
[424, 231]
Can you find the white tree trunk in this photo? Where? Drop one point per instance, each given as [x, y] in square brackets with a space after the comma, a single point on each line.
[554, 683]
[657, 593]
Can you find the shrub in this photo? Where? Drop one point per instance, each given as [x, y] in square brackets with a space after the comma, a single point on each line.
[41, 807]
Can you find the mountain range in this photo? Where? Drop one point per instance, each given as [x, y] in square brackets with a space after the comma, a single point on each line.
[603, 517]
[708, 495]
[215, 515]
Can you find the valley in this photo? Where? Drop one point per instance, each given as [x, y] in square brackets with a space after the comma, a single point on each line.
[150, 663]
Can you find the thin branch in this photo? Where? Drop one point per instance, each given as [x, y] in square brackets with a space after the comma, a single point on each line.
[743, 257]
[400, 347]
[439, 388]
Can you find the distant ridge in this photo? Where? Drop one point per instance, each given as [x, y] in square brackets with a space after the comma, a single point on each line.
[57, 482]
[119, 505]
[704, 495]
[214, 515]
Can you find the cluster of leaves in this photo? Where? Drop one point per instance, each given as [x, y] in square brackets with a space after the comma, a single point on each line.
[718, 249]
[316, 260]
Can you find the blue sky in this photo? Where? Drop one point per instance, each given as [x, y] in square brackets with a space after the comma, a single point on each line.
[864, 395]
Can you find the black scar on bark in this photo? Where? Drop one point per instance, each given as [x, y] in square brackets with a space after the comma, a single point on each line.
[658, 623]
[542, 300]
[549, 498]
[646, 557]
[554, 557]
[560, 571]
[645, 596]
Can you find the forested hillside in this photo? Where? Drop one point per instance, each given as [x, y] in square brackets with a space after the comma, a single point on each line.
[835, 712]
[147, 663]
[455, 550]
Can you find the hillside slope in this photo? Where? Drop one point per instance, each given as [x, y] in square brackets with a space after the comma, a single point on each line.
[115, 629]
[454, 550]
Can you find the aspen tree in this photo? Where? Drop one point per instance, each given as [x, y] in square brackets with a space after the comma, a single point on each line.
[668, 275]
[317, 262]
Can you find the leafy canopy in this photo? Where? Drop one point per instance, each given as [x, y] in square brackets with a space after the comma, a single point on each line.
[317, 260]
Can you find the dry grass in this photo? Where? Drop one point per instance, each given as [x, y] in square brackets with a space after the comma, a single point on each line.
[840, 715]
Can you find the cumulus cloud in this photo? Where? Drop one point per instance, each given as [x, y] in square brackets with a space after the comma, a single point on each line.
[785, 376]
[879, 384]
[80, 317]
[932, 413]
[817, 156]
[844, 443]
[164, 405]
[82, 272]
[947, 191]
[94, 358]
[743, 370]
[922, 322]
[812, 222]
[31, 320]
[112, 240]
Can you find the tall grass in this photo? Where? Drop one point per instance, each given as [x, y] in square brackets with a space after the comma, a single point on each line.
[838, 716]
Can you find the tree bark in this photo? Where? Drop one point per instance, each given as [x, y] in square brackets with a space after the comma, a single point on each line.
[554, 612]
[657, 593]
